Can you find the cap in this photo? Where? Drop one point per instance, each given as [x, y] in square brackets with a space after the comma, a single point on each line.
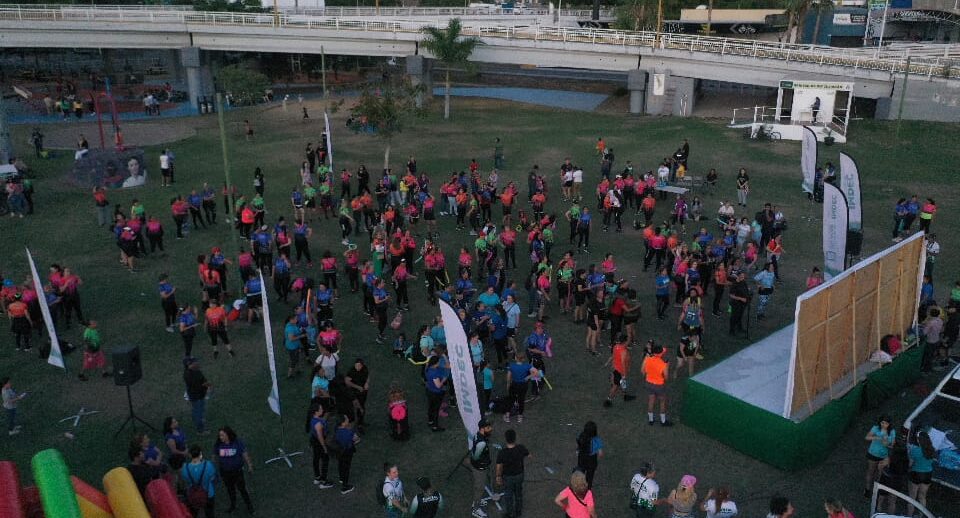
[263, 227]
[424, 483]
[8, 282]
[688, 481]
[483, 423]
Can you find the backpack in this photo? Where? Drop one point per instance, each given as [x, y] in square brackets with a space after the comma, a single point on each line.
[197, 496]
[381, 498]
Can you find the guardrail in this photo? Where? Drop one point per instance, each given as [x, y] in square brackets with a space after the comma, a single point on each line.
[786, 52]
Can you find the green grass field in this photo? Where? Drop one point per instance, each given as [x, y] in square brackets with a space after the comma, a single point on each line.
[127, 307]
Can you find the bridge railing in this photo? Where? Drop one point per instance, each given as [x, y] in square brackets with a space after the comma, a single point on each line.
[812, 54]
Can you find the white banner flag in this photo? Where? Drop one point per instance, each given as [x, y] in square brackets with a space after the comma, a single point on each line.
[274, 398]
[326, 128]
[808, 158]
[461, 371]
[834, 231]
[56, 357]
[850, 185]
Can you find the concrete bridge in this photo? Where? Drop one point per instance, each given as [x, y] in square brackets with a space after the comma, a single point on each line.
[933, 93]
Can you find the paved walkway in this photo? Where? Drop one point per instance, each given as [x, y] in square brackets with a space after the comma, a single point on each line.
[580, 101]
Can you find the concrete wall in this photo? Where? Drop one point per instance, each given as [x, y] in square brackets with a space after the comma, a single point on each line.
[925, 100]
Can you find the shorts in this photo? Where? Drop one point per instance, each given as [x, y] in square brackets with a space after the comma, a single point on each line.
[507, 210]
[615, 378]
[311, 203]
[630, 320]
[165, 173]
[254, 301]
[874, 458]
[511, 332]
[921, 478]
[213, 292]
[655, 390]
[591, 323]
[414, 220]
[97, 360]
[428, 216]
[568, 183]
[298, 207]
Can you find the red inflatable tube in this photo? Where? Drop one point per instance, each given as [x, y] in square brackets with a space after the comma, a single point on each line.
[32, 508]
[163, 501]
[11, 504]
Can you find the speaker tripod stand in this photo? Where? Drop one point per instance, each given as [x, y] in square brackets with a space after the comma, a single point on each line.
[132, 417]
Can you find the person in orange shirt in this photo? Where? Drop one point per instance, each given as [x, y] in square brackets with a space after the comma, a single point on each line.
[601, 146]
[506, 201]
[655, 373]
[20, 322]
[621, 368]
[216, 319]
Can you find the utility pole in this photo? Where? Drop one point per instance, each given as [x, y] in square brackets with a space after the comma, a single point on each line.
[709, 16]
[656, 38]
[903, 95]
[226, 166]
[323, 71]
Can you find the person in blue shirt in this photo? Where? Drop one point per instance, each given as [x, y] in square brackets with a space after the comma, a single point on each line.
[281, 277]
[347, 439]
[438, 333]
[262, 251]
[187, 322]
[519, 372]
[195, 201]
[464, 286]
[881, 438]
[921, 457]
[231, 454]
[489, 298]
[500, 334]
[436, 377]
[476, 350]
[168, 301]
[765, 281]
[292, 336]
[537, 344]
[913, 210]
[252, 289]
[583, 230]
[662, 283]
[486, 380]
[202, 473]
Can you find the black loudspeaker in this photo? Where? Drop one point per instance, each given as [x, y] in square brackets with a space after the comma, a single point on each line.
[126, 366]
[854, 243]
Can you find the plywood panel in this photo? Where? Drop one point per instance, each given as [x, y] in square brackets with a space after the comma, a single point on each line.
[841, 323]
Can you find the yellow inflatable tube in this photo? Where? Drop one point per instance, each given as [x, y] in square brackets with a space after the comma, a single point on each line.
[125, 499]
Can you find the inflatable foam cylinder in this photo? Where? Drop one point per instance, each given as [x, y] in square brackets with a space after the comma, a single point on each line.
[53, 480]
[163, 501]
[93, 503]
[124, 497]
[11, 503]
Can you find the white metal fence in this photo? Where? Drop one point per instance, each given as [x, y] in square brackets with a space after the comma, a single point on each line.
[893, 61]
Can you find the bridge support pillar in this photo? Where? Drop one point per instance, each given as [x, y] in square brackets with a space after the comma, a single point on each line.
[668, 94]
[419, 70]
[656, 93]
[637, 85]
[685, 89]
[192, 65]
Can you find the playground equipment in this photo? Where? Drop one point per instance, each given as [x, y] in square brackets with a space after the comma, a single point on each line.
[57, 494]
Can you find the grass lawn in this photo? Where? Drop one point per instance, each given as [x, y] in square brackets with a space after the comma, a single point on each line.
[127, 306]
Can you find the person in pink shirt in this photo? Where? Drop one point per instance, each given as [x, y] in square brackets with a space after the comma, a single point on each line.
[609, 267]
[815, 279]
[576, 500]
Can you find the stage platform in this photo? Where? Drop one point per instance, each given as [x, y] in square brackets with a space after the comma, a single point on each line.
[740, 402]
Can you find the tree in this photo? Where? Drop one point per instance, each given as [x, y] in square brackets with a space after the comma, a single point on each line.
[451, 48]
[797, 14]
[383, 109]
[245, 85]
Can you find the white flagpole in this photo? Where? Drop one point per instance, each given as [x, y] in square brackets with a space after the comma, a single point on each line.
[274, 398]
[326, 126]
[461, 371]
[56, 356]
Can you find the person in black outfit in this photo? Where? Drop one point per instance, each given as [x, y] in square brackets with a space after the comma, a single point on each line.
[197, 387]
[510, 473]
[427, 502]
[363, 180]
[142, 473]
[478, 458]
[739, 300]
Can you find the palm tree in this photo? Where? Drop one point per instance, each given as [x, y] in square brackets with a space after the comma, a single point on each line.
[451, 48]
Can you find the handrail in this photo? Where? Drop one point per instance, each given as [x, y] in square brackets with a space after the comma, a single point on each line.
[813, 54]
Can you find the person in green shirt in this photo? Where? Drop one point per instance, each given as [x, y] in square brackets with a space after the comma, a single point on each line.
[93, 357]
[137, 211]
[573, 217]
[310, 197]
[258, 208]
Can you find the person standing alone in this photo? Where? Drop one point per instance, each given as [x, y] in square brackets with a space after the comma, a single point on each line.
[510, 473]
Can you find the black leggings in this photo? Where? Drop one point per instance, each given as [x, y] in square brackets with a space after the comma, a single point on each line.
[663, 302]
[518, 393]
[234, 481]
[303, 248]
[381, 312]
[584, 239]
[169, 306]
[218, 332]
[321, 459]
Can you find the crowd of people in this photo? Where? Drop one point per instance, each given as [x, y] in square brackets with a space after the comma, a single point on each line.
[702, 262]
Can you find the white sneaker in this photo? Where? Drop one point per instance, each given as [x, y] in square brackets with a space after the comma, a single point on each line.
[13, 432]
[478, 513]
